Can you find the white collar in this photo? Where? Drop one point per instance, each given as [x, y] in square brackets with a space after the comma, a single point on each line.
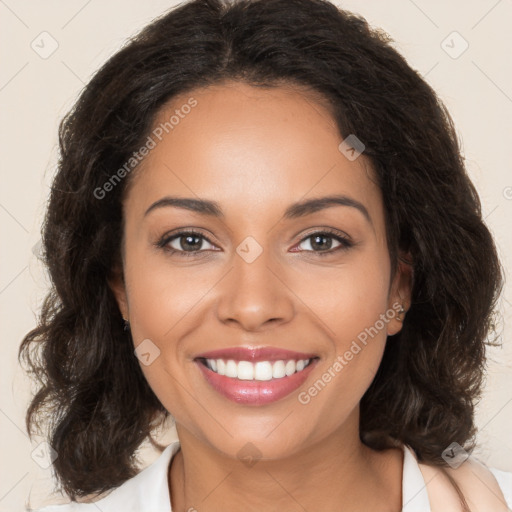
[414, 488]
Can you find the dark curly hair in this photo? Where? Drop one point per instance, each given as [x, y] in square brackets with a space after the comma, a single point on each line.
[93, 396]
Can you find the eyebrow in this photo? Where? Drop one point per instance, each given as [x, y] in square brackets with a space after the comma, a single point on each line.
[294, 211]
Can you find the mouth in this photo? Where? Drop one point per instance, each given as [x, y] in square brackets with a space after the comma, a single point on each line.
[252, 376]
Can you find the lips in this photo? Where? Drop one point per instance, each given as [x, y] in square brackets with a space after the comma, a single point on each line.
[255, 376]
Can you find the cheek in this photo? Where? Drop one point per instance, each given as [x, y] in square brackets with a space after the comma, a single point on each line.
[162, 294]
[349, 298]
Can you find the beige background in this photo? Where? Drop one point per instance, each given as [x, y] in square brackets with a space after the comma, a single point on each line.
[35, 92]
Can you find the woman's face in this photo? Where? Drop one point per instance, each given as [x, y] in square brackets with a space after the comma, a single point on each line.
[265, 273]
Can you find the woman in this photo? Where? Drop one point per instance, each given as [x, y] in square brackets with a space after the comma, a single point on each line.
[262, 225]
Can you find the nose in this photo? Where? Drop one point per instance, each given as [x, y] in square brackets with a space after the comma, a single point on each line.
[255, 296]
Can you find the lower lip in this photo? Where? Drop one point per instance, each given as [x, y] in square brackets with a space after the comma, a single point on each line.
[255, 392]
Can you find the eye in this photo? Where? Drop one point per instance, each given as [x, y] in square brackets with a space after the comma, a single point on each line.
[185, 243]
[321, 242]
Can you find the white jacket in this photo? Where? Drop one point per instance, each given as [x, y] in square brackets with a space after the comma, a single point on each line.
[424, 489]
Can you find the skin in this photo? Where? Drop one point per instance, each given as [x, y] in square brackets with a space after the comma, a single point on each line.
[255, 152]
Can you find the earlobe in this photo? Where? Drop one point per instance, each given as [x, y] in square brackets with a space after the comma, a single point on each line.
[399, 309]
[401, 291]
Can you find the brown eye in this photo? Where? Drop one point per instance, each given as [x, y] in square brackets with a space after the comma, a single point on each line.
[185, 242]
[325, 242]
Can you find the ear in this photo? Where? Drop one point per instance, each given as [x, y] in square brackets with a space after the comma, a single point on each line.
[117, 285]
[400, 293]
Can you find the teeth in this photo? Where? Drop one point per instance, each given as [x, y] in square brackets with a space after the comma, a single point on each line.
[262, 370]
[245, 370]
[231, 369]
[290, 367]
[278, 370]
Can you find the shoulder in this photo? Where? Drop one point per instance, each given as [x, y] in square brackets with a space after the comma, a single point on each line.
[484, 489]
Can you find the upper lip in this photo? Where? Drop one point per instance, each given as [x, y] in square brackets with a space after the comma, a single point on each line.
[255, 354]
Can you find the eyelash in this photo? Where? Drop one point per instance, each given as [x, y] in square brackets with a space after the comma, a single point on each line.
[345, 243]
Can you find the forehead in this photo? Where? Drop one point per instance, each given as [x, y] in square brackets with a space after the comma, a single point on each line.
[250, 149]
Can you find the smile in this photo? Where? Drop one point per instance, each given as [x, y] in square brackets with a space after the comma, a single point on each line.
[255, 376]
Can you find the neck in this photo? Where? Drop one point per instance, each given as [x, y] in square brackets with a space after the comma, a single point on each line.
[337, 473]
